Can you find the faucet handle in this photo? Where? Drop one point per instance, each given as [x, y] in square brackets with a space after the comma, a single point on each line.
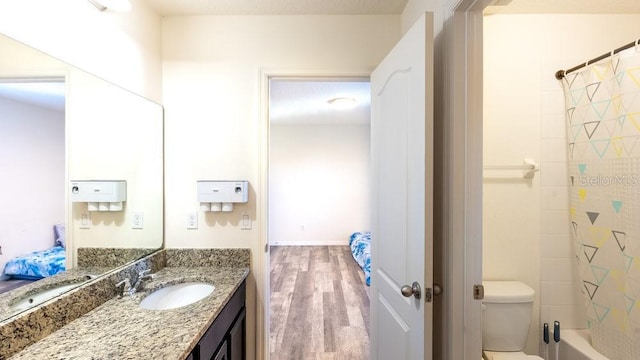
[145, 275]
[143, 272]
[123, 287]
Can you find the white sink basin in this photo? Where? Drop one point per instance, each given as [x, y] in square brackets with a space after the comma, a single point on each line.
[176, 296]
[40, 297]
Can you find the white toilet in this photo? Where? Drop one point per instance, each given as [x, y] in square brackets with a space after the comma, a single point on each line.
[506, 316]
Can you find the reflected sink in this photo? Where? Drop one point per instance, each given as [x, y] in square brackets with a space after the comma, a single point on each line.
[176, 296]
[41, 296]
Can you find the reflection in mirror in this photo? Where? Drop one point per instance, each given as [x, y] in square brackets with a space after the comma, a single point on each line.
[78, 127]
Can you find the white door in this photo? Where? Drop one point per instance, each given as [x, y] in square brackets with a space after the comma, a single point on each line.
[402, 157]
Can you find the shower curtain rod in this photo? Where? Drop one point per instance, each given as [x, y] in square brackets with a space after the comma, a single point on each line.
[561, 73]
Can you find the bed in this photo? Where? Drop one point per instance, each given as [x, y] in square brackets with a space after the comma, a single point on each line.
[360, 243]
[42, 263]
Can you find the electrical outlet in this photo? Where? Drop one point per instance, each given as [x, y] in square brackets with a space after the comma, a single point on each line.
[85, 220]
[192, 220]
[245, 223]
[137, 220]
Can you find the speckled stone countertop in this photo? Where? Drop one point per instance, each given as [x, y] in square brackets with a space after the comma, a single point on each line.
[73, 276]
[110, 257]
[120, 329]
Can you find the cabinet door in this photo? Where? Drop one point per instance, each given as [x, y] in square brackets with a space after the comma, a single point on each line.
[222, 353]
[236, 338]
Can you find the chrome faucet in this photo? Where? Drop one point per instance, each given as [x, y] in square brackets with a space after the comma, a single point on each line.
[143, 276]
[124, 287]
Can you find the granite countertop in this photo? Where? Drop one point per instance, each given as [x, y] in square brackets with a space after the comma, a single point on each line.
[120, 329]
[77, 276]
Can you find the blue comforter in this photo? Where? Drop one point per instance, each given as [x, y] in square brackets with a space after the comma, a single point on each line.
[37, 265]
[360, 244]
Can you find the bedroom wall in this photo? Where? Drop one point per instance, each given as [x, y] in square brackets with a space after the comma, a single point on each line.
[318, 183]
[30, 135]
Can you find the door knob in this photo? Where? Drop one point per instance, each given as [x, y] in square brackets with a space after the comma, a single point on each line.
[414, 290]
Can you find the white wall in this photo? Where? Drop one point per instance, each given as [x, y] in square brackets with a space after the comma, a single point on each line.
[121, 47]
[213, 123]
[32, 148]
[526, 227]
[318, 183]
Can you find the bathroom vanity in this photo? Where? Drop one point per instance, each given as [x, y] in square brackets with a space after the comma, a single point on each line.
[225, 338]
[210, 328]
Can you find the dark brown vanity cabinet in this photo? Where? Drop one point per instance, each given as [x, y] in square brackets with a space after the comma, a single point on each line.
[225, 338]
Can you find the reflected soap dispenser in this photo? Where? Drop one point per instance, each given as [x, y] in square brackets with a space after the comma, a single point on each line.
[100, 195]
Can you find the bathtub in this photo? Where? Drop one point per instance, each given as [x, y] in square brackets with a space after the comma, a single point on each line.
[575, 345]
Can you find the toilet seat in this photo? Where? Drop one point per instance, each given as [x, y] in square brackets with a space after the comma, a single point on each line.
[508, 355]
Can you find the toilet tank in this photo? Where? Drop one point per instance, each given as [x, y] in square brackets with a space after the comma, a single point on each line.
[506, 315]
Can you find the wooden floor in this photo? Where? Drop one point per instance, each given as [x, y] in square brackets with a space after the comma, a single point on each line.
[8, 285]
[319, 304]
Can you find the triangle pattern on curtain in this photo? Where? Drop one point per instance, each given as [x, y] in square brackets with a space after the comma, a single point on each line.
[590, 252]
[621, 238]
[591, 288]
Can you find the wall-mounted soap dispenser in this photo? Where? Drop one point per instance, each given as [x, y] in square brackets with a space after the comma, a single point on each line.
[221, 195]
[100, 195]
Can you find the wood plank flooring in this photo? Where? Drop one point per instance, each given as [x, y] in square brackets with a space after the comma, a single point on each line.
[8, 285]
[319, 304]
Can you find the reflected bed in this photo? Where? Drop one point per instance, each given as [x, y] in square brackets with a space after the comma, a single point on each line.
[39, 264]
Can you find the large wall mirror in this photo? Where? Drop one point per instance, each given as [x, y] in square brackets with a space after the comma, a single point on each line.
[75, 127]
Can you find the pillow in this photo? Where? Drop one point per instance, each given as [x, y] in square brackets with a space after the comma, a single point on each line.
[58, 233]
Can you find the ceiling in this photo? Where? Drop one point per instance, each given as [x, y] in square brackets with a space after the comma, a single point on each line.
[46, 94]
[277, 7]
[306, 102]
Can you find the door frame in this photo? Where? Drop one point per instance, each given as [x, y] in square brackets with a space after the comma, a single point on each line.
[460, 226]
[464, 52]
[266, 74]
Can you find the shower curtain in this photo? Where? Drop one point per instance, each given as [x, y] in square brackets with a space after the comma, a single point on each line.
[603, 122]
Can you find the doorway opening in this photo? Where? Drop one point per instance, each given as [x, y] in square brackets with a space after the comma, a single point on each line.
[318, 197]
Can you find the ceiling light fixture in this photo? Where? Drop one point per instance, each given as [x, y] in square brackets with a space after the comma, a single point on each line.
[342, 102]
[116, 5]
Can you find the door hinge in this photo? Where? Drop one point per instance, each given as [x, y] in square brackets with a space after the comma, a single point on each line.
[478, 292]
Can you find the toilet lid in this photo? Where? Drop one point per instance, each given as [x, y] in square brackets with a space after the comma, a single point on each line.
[507, 292]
